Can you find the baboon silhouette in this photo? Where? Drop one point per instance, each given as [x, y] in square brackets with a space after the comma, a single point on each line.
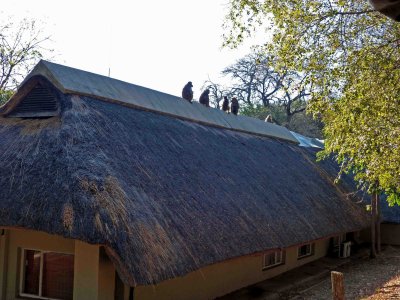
[225, 104]
[204, 98]
[187, 92]
[234, 106]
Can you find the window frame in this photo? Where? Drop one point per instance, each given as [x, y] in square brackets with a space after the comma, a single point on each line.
[22, 273]
[282, 257]
[309, 253]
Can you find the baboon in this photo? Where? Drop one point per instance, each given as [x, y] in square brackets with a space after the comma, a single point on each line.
[204, 98]
[234, 106]
[225, 105]
[187, 92]
[269, 119]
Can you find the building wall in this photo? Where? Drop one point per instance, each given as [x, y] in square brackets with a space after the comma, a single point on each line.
[94, 274]
[223, 278]
[390, 234]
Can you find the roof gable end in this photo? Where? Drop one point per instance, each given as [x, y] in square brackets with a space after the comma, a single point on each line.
[37, 97]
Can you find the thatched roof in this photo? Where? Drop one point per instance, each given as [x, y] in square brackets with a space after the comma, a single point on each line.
[165, 196]
[389, 214]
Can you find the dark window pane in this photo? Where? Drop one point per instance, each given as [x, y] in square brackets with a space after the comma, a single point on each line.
[32, 272]
[271, 259]
[305, 250]
[58, 276]
[278, 257]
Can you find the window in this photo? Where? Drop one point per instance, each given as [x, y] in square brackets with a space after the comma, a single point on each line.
[305, 250]
[273, 259]
[46, 275]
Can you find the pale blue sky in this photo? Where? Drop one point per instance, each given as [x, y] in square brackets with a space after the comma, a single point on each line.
[156, 44]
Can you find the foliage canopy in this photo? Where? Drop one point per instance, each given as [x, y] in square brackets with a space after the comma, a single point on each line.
[264, 91]
[352, 56]
[21, 47]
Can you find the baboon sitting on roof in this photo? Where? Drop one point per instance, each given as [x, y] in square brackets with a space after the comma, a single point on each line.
[234, 106]
[225, 105]
[187, 92]
[204, 98]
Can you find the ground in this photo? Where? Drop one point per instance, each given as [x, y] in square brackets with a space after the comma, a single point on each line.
[366, 279]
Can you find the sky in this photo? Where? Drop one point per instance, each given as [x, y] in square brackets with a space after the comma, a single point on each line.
[157, 44]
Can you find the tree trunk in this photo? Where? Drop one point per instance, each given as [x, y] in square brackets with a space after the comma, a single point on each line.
[264, 100]
[289, 118]
[378, 224]
[373, 226]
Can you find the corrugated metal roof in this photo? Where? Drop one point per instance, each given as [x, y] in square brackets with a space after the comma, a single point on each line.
[305, 141]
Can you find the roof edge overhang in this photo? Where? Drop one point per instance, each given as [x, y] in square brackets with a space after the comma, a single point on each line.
[125, 276]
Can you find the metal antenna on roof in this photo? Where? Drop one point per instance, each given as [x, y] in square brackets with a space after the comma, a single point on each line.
[109, 43]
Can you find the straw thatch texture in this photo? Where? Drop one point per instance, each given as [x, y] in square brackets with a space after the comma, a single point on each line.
[389, 214]
[165, 196]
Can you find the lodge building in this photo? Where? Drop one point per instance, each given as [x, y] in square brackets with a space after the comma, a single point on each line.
[109, 190]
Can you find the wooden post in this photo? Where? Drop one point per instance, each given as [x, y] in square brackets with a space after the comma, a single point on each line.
[373, 226]
[337, 285]
[4, 246]
[378, 224]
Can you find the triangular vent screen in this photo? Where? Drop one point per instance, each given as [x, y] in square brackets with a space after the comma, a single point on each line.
[40, 102]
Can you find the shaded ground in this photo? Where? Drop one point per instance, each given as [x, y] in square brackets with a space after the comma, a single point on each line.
[367, 279]
[289, 284]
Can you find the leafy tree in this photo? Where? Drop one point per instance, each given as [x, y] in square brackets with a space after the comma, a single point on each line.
[21, 47]
[259, 111]
[351, 54]
[256, 81]
[293, 93]
[243, 72]
[306, 125]
[5, 95]
[300, 122]
[257, 84]
[217, 93]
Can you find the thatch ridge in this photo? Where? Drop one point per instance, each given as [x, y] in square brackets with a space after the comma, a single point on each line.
[74, 81]
[164, 196]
